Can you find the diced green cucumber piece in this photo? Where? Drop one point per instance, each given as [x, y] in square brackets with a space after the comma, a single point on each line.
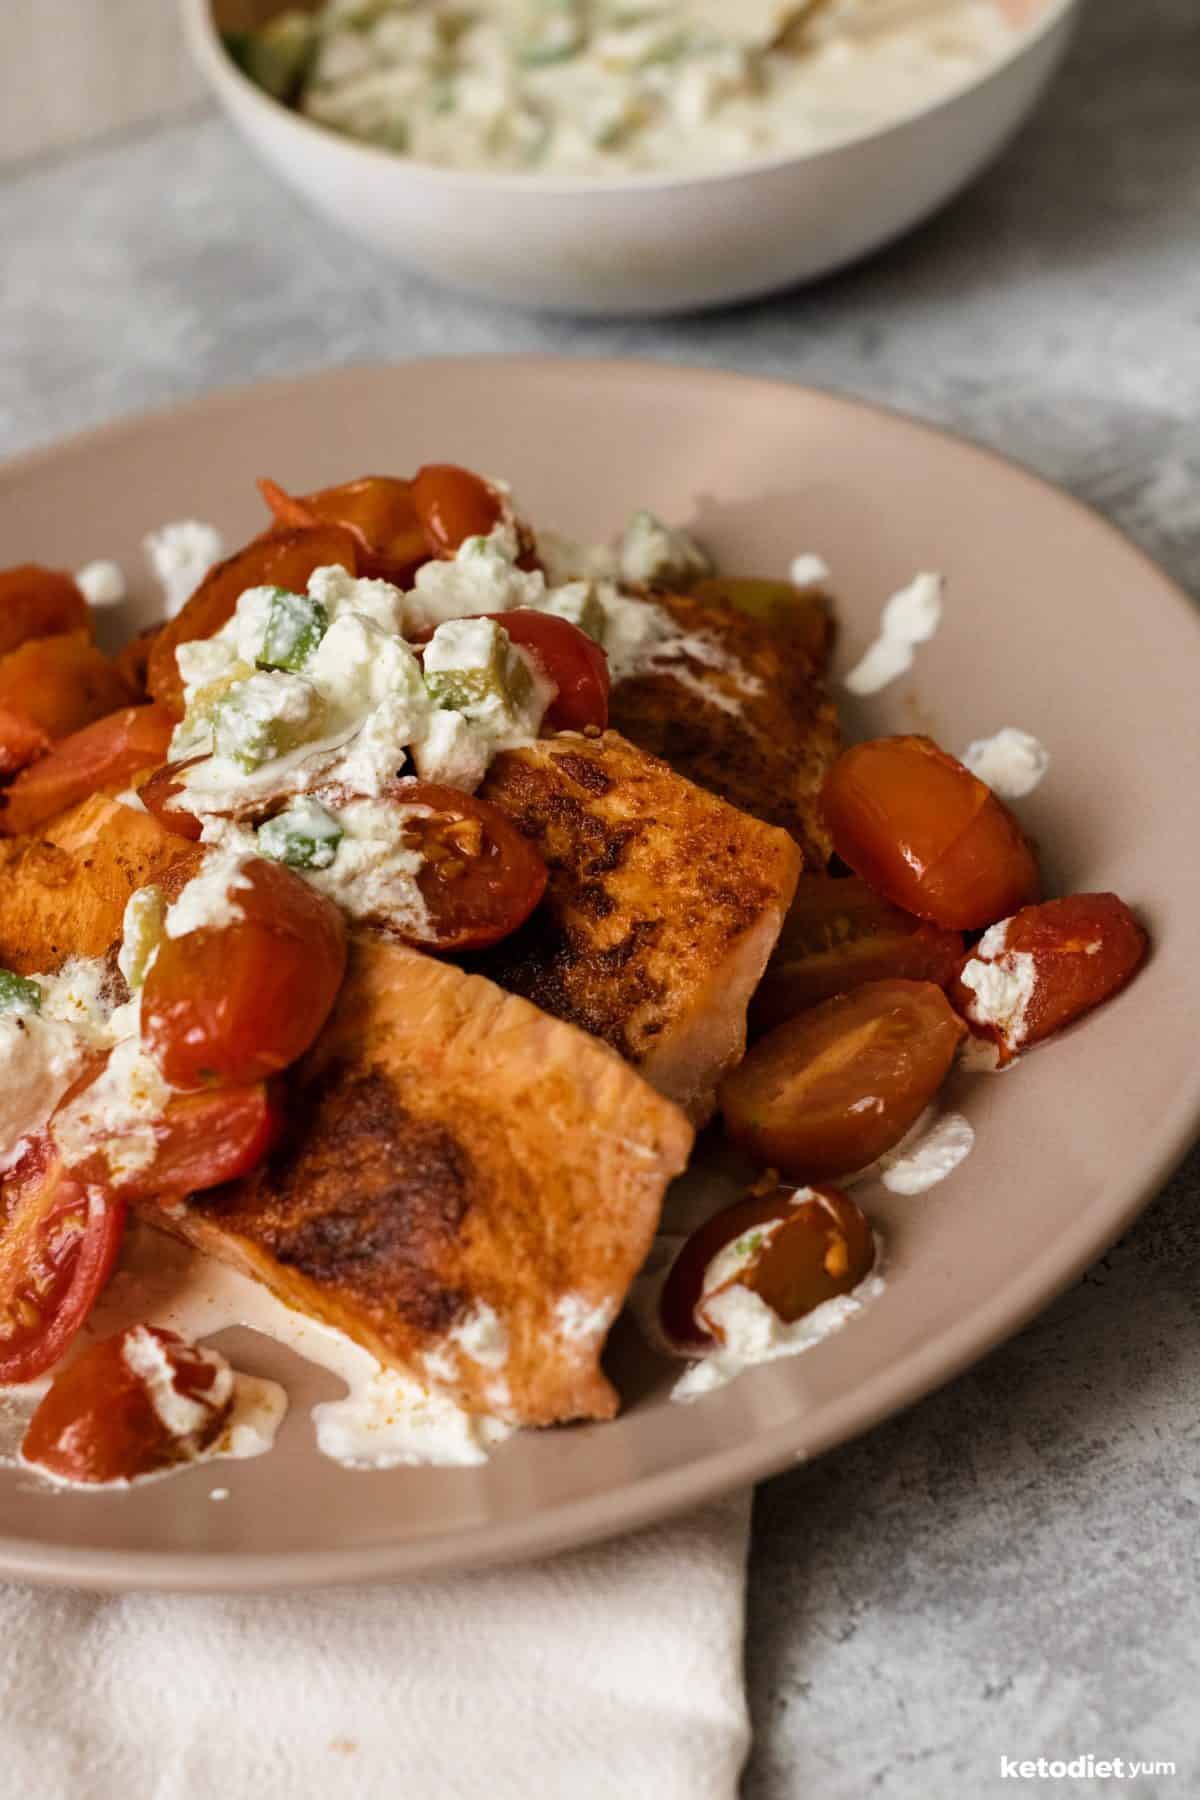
[295, 626]
[306, 836]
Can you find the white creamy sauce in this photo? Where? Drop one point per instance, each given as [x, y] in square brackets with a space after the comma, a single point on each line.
[1011, 762]
[102, 583]
[935, 1153]
[810, 573]
[911, 617]
[180, 555]
[606, 87]
[181, 1415]
[754, 1334]
[209, 901]
[1002, 982]
[580, 1321]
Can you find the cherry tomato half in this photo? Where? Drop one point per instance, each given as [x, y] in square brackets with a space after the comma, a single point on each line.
[100, 755]
[839, 934]
[236, 1003]
[203, 1140]
[929, 836]
[21, 741]
[98, 1421]
[480, 878]
[833, 1088]
[453, 505]
[37, 602]
[58, 1242]
[1037, 972]
[794, 1247]
[282, 558]
[378, 509]
[62, 683]
[572, 660]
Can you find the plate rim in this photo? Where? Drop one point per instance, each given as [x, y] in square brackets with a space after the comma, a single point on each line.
[571, 1524]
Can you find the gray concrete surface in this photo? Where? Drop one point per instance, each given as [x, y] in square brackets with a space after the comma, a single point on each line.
[1009, 1569]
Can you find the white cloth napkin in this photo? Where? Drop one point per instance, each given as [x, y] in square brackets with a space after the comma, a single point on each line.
[607, 1674]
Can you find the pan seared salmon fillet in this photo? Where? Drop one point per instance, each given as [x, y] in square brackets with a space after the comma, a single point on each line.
[63, 892]
[463, 1174]
[662, 908]
[747, 717]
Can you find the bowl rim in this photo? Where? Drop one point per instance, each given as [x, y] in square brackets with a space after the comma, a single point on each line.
[223, 75]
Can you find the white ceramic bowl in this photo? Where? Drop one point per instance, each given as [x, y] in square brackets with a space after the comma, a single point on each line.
[643, 243]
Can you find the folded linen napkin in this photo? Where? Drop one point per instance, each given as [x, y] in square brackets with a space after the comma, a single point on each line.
[609, 1672]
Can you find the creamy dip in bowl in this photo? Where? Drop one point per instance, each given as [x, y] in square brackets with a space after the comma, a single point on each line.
[628, 156]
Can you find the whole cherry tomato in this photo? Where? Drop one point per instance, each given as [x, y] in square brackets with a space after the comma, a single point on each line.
[283, 558]
[58, 1242]
[101, 755]
[453, 504]
[99, 1422]
[37, 602]
[794, 1247]
[839, 934]
[378, 509]
[235, 1003]
[927, 834]
[829, 1091]
[1035, 973]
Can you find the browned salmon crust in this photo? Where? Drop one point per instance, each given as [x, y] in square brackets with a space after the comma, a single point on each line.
[63, 893]
[662, 907]
[450, 1146]
[765, 738]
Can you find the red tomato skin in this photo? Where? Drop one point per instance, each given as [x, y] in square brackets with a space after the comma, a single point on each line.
[1085, 949]
[927, 834]
[285, 557]
[21, 741]
[236, 1004]
[204, 1140]
[159, 793]
[500, 889]
[101, 755]
[58, 1243]
[569, 658]
[453, 504]
[377, 509]
[839, 934]
[97, 1423]
[37, 602]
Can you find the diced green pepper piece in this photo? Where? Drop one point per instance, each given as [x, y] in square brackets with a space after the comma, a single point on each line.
[277, 58]
[19, 994]
[256, 721]
[306, 836]
[579, 604]
[295, 626]
[488, 671]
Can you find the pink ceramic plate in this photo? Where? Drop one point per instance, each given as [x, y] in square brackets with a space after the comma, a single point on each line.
[1053, 623]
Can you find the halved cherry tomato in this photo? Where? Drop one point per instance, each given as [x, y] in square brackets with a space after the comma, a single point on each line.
[62, 683]
[100, 755]
[927, 834]
[838, 934]
[21, 741]
[832, 1089]
[284, 558]
[453, 504]
[572, 660]
[203, 1140]
[236, 1003]
[58, 1241]
[378, 509]
[37, 602]
[480, 878]
[98, 1422]
[1033, 974]
[159, 794]
[794, 1247]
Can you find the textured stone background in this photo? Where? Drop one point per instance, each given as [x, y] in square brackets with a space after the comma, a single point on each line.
[1009, 1568]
